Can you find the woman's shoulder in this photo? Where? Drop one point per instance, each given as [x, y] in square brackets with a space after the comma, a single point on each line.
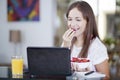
[98, 50]
[97, 44]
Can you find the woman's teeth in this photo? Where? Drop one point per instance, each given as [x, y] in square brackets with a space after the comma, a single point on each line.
[75, 29]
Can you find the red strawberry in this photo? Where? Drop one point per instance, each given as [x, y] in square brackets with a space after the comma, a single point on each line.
[74, 59]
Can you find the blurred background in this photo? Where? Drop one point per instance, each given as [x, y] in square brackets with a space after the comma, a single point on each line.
[42, 23]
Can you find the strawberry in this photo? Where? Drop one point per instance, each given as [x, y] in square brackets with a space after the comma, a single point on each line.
[74, 59]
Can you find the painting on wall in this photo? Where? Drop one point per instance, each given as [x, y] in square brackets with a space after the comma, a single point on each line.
[23, 10]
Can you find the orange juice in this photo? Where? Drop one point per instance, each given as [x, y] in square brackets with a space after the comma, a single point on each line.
[17, 65]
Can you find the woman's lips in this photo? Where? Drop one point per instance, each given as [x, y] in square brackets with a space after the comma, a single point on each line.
[75, 29]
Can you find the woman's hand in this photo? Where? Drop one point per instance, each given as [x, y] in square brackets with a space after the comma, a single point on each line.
[75, 67]
[67, 37]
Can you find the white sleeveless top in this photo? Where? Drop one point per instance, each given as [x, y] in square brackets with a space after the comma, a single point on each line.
[97, 53]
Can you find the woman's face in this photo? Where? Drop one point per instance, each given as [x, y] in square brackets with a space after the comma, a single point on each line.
[76, 22]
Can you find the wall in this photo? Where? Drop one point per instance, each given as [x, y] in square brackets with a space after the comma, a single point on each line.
[100, 7]
[33, 33]
[105, 6]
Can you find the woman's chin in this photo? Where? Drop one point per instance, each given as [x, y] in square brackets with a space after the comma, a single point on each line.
[77, 35]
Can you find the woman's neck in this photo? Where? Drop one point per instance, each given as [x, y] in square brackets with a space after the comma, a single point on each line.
[79, 42]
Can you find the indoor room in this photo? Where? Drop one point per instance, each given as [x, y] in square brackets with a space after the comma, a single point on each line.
[42, 23]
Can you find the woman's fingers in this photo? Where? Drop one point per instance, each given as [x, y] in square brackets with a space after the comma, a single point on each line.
[69, 34]
[87, 69]
[67, 38]
[72, 66]
[82, 69]
[75, 67]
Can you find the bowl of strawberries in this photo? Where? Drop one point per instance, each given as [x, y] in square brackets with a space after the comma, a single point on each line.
[81, 62]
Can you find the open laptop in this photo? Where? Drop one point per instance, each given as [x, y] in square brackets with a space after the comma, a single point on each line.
[49, 61]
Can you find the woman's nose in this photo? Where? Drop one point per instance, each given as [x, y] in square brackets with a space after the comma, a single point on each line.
[72, 24]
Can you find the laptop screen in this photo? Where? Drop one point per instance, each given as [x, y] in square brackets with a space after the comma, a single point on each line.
[49, 61]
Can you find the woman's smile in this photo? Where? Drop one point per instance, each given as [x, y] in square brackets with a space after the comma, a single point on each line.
[75, 29]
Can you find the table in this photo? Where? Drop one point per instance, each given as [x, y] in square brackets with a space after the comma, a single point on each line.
[5, 74]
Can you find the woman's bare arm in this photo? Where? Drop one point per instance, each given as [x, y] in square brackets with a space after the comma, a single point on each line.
[103, 68]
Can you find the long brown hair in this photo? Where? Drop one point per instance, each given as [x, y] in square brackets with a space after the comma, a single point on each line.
[91, 28]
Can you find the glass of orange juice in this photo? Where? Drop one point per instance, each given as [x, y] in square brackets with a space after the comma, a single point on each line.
[17, 66]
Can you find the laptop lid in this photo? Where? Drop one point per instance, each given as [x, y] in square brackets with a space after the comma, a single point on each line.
[49, 61]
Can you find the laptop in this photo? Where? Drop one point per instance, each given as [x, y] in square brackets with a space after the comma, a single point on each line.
[49, 61]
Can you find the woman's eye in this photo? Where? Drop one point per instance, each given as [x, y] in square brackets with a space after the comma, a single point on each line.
[78, 20]
[69, 19]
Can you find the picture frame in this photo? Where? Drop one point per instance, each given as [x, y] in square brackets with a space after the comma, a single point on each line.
[23, 10]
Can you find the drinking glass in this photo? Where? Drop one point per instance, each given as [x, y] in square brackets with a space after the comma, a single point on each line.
[17, 66]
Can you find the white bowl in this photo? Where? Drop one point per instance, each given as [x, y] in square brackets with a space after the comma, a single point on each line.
[82, 64]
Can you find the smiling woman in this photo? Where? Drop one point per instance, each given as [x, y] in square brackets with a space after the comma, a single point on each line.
[83, 39]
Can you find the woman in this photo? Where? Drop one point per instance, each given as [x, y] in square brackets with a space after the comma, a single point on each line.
[83, 40]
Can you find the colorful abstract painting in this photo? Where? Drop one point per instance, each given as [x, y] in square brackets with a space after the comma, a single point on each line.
[23, 10]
